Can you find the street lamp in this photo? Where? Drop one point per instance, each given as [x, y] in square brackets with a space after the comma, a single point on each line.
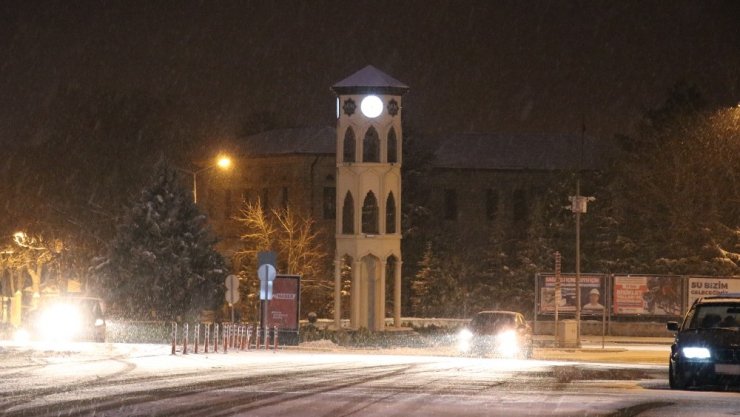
[223, 162]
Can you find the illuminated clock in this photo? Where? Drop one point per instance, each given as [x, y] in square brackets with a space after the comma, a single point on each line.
[371, 106]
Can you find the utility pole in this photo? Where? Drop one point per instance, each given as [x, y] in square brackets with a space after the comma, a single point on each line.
[579, 205]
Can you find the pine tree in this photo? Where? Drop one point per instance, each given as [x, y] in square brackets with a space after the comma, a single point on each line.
[162, 259]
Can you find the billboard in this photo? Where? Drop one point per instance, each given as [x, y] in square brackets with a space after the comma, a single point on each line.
[647, 295]
[702, 287]
[284, 307]
[592, 289]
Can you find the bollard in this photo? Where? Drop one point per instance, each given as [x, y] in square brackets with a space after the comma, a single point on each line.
[206, 335]
[275, 339]
[238, 342]
[232, 335]
[249, 337]
[244, 337]
[174, 337]
[215, 337]
[185, 332]
[196, 335]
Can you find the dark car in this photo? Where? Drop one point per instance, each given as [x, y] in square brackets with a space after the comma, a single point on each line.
[69, 318]
[498, 333]
[706, 350]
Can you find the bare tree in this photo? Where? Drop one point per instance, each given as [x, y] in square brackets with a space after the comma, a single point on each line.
[298, 244]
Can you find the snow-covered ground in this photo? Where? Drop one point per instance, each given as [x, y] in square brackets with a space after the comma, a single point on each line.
[322, 379]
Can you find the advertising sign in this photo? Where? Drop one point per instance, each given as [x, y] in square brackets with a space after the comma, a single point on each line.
[592, 294]
[284, 308]
[647, 295]
[702, 287]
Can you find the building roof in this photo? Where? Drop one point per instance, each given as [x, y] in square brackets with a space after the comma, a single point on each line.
[484, 151]
[517, 151]
[305, 140]
[369, 79]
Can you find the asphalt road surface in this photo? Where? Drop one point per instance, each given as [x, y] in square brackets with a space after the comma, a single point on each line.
[145, 380]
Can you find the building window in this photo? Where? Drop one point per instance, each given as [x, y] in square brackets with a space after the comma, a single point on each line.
[390, 214]
[392, 152]
[247, 195]
[370, 214]
[450, 204]
[227, 204]
[284, 200]
[519, 206]
[330, 203]
[491, 204]
[371, 146]
[265, 201]
[348, 215]
[349, 145]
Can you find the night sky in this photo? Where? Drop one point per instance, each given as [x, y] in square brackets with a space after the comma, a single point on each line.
[486, 66]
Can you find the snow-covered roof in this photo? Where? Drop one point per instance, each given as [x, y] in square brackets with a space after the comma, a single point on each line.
[305, 140]
[518, 151]
[485, 151]
[369, 79]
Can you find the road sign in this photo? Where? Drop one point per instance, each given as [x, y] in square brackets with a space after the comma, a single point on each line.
[232, 289]
[267, 274]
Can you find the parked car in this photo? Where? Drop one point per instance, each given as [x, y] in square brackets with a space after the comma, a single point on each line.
[497, 333]
[68, 318]
[706, 350]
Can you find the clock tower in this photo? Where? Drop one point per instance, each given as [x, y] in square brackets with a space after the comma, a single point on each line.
[368, 228]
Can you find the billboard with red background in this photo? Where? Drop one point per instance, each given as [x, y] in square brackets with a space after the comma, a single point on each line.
[284, 308]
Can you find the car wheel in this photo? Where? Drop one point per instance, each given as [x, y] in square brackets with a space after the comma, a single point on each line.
[676, 380]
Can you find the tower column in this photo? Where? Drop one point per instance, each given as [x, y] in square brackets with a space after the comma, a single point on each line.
[397, 296]
[338, 293]
[355, 295]
[380, 298]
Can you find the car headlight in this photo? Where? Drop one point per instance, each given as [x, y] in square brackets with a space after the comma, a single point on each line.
[60, 322]
[696, 353]
[463, 340]
[507, 343]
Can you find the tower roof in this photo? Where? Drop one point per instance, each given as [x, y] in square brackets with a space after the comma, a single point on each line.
[369, 79]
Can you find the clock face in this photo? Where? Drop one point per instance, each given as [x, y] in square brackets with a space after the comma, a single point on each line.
[371, 106]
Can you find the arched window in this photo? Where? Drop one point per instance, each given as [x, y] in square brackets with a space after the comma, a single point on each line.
[392, 153]
[349, 145]
[370, 214]
[390, 214]
[348, 215]
[371, 146]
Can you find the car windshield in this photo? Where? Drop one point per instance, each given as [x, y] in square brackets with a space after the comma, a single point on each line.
[716, 316]
[492, 322]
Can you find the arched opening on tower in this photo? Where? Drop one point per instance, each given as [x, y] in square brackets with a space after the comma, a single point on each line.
[349, 146]
[392, 149]
[390, 282]
[371, 146]
[370, 214]
[390, 214]
[348, 215]
[370, 293]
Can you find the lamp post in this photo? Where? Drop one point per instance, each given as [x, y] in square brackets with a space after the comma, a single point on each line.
[223, 162]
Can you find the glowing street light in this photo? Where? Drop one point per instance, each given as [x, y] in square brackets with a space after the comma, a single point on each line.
[223, 162]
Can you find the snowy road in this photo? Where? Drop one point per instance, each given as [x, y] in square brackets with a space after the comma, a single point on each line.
[144, 380]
